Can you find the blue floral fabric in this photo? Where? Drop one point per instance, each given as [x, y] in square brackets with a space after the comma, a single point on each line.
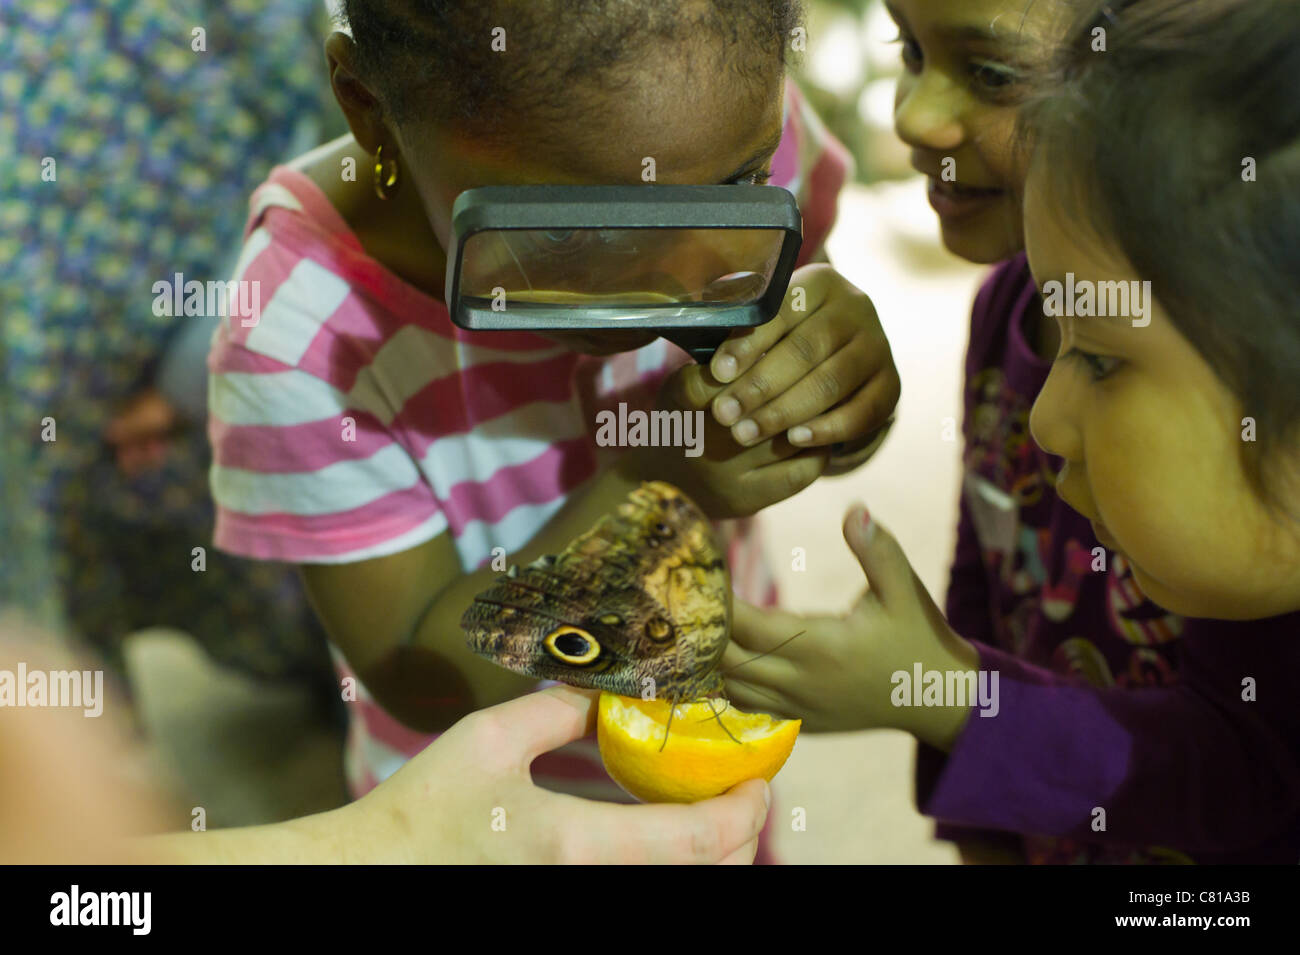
[131, 134]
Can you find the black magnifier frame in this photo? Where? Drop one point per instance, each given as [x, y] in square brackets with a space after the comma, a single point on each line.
[698, 327]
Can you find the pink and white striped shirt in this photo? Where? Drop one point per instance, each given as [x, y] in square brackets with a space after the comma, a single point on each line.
[354, 420]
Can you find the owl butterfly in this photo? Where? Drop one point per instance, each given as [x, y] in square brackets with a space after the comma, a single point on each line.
[642, 596]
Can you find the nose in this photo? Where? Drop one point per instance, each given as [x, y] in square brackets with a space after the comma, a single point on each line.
[927, 112]
[1050, 420]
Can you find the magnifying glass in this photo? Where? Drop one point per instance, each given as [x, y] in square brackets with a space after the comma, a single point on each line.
[689, 262]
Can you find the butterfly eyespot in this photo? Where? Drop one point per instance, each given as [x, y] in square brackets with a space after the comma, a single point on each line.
[612, 620]
[571, 645]
[658, 629]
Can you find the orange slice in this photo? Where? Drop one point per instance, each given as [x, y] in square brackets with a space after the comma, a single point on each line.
[700, 760]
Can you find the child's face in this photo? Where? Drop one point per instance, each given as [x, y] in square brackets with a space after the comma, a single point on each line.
[965, 63]
[691, 116]
[1152, 442]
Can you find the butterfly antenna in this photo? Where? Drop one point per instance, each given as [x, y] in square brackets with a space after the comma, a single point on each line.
[764, 653]
[714, 716]
[718, 716]
[672, 709]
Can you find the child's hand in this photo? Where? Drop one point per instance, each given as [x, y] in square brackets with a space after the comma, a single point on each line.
[837, 675]
[725, 479]
[140, 432]
[469, 798]
[823, 375]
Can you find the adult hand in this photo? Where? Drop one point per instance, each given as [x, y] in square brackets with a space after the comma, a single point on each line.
[469, 798]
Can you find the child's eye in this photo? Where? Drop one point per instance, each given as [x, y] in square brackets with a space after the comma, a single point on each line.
[758, 177]
[993, 77]
[1099, 366]
[911, 51]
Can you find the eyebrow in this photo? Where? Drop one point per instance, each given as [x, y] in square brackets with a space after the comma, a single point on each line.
[766, 149]
[1111, 321]
[970, 32]
[1114, 321]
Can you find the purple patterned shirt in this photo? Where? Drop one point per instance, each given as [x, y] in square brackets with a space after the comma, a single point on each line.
[1124, 733]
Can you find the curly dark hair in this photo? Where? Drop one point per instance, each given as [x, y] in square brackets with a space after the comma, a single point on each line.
[1150, 141]
[436, 58]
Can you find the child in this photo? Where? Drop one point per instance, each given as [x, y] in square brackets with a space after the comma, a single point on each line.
[1025, 576]
[1149, 420]
[361, 435]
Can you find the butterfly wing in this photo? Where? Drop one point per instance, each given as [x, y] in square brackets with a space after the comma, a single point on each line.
[644, 594]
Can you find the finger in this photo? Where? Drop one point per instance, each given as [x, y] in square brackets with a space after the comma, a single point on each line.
[764, 670]
[745, 346]
[692, 387]
[805, 345]
[760, 629]
[783, 361]
[732, 655]
[887, 568]
[742, 856]
[752, 459]
[755, 699]
[747, 621]
[826, 384]
[543, 721]
[706, 832]
[796, 358]
[776, 482]
[867, 410]
[808, 289]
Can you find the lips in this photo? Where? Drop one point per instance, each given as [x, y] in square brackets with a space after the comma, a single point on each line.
[961, 190]
[1099, 530]
[953, 200]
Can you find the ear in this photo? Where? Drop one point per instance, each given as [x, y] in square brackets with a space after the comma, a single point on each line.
[360, 102]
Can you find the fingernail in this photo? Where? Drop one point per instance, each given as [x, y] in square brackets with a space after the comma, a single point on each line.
[767, 795]
[724, 369]
[800, 435]
[728, 410]
[746, 431]
[868, 525]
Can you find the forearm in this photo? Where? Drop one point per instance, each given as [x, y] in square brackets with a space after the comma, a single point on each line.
[433, 680]
[335, 836]
[1193, 766]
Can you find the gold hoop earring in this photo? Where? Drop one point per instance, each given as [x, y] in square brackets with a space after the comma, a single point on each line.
[385, 178]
